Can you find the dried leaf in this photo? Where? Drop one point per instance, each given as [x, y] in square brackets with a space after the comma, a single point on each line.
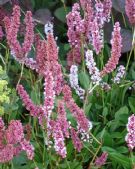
[42, 16]
[119, 5]
[2, 2]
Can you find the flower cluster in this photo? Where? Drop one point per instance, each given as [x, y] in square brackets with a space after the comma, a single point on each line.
[11, 141]
[74, 81]
[75, 31]
[130, 10]
[100, 161]
[89, 28]
[91, 65]
[116, 43]
[130, 137]
[45, 64]
[12, 27]
[120, 74]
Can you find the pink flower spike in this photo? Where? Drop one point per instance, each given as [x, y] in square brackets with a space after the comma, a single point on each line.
[14, 132]
[101, 160]
[130, 137]
[76, 141]
[29, 36]
[77, 112]
[7, 153]
[59, 144]
[130, 10]
[34, 110]
[63, 119]
[116, 43]
[26, 146]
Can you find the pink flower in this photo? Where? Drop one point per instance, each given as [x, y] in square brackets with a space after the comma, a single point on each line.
[101, 160]
[63, 119]
[107, 9]
[130, 137]
[76, 27]
[14, 132]
[7, 153]
[12, 141]
[26, 146]
[130, 10]
[76, 141]
[12, 27]
[58, 137]
[97, 37]
[34, 110]
[49, 94]
[77, 112]
[116, 43]
[29, 36]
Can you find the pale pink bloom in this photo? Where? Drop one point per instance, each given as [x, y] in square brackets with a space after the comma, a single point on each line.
[91, 65]
[116, 43]
[107, 9]
[49, 94]
[130, 137]
[97, 37]
[58, 137]
[26, 146]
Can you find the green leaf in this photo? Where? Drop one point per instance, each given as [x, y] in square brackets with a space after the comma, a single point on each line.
[121, 159]
[131, 102]
[84, 80]
[119, 115]
[60, 13]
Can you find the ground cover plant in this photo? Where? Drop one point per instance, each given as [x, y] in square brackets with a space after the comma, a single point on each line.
[67, 84]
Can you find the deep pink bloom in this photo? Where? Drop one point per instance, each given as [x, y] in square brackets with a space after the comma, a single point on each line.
[77, 112]
[12, 27]
[29, 35]
[130, 10]
[130, 137]
[63, 119]
[14, 132]
[52, 58]
[76, 140]
[116, 43]
[7, 153]
[30, 106]
[12, 141]
[101, 160]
